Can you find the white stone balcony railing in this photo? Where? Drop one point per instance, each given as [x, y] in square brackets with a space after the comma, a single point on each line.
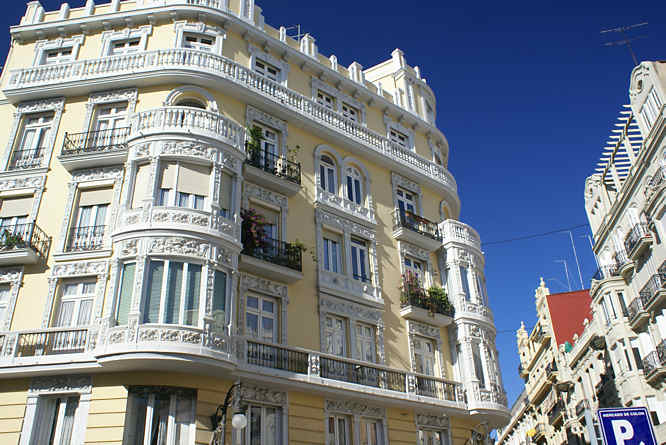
[467, 306]
[159, 62]
[336, 283]
[187, 120]
[346, 206]
[453, 230]
[178, 217]
[581, 343]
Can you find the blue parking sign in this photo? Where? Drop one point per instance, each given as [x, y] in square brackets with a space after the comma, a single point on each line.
[626, 426]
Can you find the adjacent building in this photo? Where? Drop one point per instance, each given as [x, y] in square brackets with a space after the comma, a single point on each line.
[619, 358]
[195, 204]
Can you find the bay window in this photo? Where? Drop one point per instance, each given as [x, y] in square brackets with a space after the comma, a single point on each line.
[184, 185]
[157, 415]
[465, 282]
[5, 295]
[173, 293]
[219, 299]
[478, 364]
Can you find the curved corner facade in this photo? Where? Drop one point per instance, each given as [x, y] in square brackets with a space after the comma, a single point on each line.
[190, 198]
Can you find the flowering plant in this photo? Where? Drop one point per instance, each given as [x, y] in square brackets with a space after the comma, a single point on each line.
[252, 229]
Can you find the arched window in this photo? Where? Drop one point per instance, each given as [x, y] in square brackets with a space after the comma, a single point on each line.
[354, 185]
[328, 175]
[189, 102]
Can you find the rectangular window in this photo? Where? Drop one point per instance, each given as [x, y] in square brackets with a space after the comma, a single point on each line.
[107, 127]
[326, 100]
[339, 430]
[268, 156]
[650, 109]
[465, 282]
[59, 55]
[226, 194]
[399, 138]
[430, 113]
[415, 268]
[433, 437]
[366, 348]
[14, 217]
[424, 355]
[124, 46]
[88, 227]
[75, 304]
[54, 420]
[219, 299]
[267, 70]
[184, 185]
[5, 293]
[200, 42]
[481, 289]
[261, 318]
[635, 348]
[173, 297]
[163, 416]
[32, 140]
[359, 253]
[141, 185]
[264, 425]
[406, 203]
[623, 304]
[604, 306]
[126, 292]
[372, 432]
[331, 253]
[478, 364]
[350, 112]
[335, 333]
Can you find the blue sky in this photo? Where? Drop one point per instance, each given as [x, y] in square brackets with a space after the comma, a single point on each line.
[526, 95]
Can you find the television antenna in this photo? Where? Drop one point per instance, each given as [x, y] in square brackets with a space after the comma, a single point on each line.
[625, 41]
[297, 28]
[566, 272]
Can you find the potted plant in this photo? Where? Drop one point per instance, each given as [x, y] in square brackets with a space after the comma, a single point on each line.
[252, 230]
[253, 143]
[11, 240]
[439, 301]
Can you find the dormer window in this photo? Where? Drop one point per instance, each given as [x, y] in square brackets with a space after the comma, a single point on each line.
[326, 100]
[60, 55]
[125, 46]
[267, 70]
[399, 138]
[198, 41]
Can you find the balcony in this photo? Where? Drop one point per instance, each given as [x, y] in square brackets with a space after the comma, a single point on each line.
[556, 413]
[637, 240]
[416, 230]
[638, 315]
[416, 304]
[551, 371]
[272, 171]
[86, 238]
[606, 272]
[346, 374]
[22, 244]
[654, 291]
[26, 159]
[655, 364]
[344, 207]
[273, 259]
[655, 185]
[455, 231]
[94, 148]
[166, 66]
[350, 286]
[624, 264]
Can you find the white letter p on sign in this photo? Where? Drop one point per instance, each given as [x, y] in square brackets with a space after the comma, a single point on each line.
[622, 430]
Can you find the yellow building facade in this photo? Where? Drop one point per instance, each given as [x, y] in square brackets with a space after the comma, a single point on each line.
[192, 199]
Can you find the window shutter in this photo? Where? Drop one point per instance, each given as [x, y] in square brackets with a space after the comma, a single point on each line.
[95, 197]
[152, 306]
[193, 179]
[226, 191]
[126, 292]
[15, 207]
[141, 185]
[169, 172]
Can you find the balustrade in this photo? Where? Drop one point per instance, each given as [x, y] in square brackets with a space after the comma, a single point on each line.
[86, 238]
[415, 223]
[50, 341]
[639, 232]
[95, 141]
[25, 159]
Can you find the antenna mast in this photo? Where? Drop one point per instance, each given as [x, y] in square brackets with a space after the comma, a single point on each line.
[625, 41]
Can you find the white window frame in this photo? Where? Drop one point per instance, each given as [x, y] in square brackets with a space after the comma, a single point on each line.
[396, 127]
[266, 69]
[164, 287]
[12, 278]
[332, 331]
[363, 341]
[44, 46]
[326, 100]
[260, 314]
[417, 267]
[342, 101]
[171, 422]
[171, 197]
[109, 38]
[354, 176]
[348, 438]
[246, 432]
[42, 388]
[328, 171]
[218, 35]
[421, 355]
[38, 147]
[359, 249]
[78, 299]
[334, 260]
[281, 65]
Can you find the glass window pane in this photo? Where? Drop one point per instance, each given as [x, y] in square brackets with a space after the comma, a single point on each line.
[252, 302]
[152, 305]
[193, 294]
[255, 426]
[267, 306]
[126, 291]
[174, 290]
[252, 325]
[219, 298]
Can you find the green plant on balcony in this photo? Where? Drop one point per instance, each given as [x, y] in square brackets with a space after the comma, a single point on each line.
[253, 233]
[411, 291]
[11, 240]
[254, 138]
[440, 300]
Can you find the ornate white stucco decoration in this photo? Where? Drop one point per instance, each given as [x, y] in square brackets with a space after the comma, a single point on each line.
[81, 384]
[179, 247]
[128, 95]
[354, 408]
[432, 420]
[254, 393]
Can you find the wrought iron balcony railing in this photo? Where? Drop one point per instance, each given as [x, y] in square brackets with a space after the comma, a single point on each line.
[114, 139]
[27, 235]
[635, 235]
[435, 388]
[276, 252]
[655, 359]
[274, 164]
[415, 223]
[25, 159]
[636, 306]
[653, 285]
[621, 258]
[276, 357]
[365, 375]
[51, 341]
[86, 238]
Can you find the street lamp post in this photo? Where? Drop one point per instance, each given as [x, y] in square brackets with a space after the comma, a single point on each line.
[219, 418]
